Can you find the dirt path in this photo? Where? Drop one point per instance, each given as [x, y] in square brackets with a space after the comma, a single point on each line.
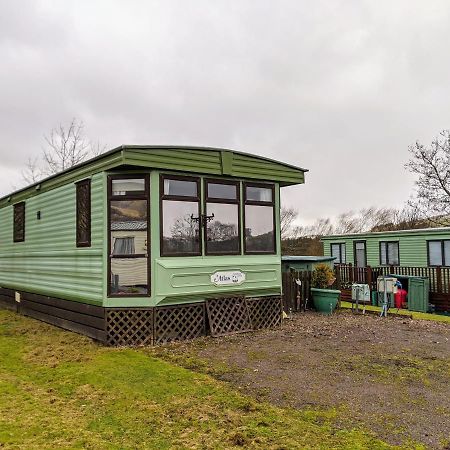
[392, 375]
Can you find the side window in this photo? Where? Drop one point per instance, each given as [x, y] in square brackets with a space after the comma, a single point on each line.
[83, 199]
[389, 253]
[338, 252]
[180, 216]
[222, 222]
[259, 223]
[19, 222]
[439, 253]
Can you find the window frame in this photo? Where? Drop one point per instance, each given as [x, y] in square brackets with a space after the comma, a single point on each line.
[79, 242]
[224, 201]
[361, 241]
[341, 245]
[388, 264]
[138, 195]
[16, 236]
[442, 242]
[162, 197]
[271, 186]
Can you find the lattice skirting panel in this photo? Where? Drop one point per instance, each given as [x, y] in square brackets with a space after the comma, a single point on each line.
[152, 325]
[265, 312]
[148, 326]
[228, 315]
[129, 327]
[179, 323]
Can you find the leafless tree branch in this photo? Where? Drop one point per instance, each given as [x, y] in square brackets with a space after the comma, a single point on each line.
[65, 147]
[431, 165]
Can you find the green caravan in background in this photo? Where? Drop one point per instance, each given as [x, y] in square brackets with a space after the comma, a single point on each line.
[428, 247]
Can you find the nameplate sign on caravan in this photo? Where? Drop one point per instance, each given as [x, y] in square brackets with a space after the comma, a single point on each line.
[226, 278]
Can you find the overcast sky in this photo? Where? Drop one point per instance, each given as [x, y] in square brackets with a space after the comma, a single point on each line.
[339, 87]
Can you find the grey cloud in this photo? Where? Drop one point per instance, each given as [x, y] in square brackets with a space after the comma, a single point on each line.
[339, 87]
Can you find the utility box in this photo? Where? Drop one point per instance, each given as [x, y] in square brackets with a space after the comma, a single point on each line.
[387, 284]
[361, 292]
[418, 292]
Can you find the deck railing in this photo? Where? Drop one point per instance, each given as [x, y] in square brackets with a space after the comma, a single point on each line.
[297, 295]
[439, 276]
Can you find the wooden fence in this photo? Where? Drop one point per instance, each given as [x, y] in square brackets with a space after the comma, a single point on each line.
[296, 290]
[295, 295]
[439, 276]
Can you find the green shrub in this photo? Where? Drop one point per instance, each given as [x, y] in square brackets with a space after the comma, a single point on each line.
[322, 277]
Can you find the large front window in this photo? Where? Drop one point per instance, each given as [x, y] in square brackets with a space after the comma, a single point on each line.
[222, 218]
[259, 223]
[180, 216]
[128, 236]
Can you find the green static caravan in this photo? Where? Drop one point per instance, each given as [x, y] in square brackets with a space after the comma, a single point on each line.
[429, 247]
[146, 244]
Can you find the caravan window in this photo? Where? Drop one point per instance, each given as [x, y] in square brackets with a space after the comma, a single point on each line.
[259, 218]
[128, 212]
[221, 219]
[128, 186]
[338, 252]
[180, 216]
[19, 222]
[389, 253]
[83, 199]
[439, 253]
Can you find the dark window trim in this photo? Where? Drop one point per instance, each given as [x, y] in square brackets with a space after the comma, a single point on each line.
[387, 263]
[261, 185]
[341, 245]
[226, 182]
[181, 198]
[19, 208]
[246, 184]
[186, 198]
[361, 241]
[79, 242]
[236, 201]
[110, 198]
[442, 242]
[137, 195]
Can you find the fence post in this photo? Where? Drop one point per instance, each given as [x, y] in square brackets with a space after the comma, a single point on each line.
[439, 280]
[350, 270]
[337, 272]
[369, 277]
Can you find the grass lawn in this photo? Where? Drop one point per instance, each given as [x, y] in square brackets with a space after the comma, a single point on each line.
[61, 390]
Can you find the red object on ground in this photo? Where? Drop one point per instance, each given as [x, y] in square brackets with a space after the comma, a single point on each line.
[400, 298]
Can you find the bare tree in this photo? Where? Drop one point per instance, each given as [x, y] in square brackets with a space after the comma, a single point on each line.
[32, 172]
[305, 239]
[287, 217]
[431, 165]
[66, 146]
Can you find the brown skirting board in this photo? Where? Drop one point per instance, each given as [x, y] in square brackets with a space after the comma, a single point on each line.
[148, 326]
[78, 317]
[7, 299]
